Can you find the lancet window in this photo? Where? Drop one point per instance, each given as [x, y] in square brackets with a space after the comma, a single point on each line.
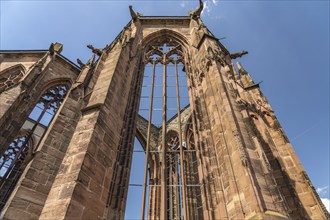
[20, 150]
[165, 108]
[174, 193]
[194, 197]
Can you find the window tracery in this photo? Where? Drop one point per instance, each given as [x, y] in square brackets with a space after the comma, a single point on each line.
[10, 77]
[20, 150]
[194, 197]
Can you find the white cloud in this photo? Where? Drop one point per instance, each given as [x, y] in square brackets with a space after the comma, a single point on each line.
[322, 190]
[209, 5]
[183, 4]
[326, 203]
[215, 2]
[206, 8]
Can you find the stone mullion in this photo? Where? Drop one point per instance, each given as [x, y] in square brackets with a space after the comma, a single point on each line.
[157, 205]
[152, 188]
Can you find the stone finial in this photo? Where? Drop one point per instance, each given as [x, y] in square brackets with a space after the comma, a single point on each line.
[241, 70]
[55, 47]
[89, 63]
[133, 14]
[95, 50]
[239, 54]
[198, 12]
[81, 64]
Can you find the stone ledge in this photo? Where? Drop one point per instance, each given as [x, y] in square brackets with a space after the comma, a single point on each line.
[269, 215]
[96, 106]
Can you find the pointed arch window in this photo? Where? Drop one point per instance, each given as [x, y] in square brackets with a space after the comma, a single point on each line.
[174, 193]
[20, 150]
[194, 197]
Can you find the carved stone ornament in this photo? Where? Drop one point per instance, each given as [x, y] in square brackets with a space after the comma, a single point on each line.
[263, 107]
[134, 15]
[216, 55]
[55, 47]
[206, 63]
[95, 50]
[126, 36]
[89, 63]
[239, 54]
[81, 64]
[196, 14]
[240, 148]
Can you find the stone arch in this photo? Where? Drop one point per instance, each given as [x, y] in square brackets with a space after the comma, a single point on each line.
[141, 139]
[164, 34]
[53, 82]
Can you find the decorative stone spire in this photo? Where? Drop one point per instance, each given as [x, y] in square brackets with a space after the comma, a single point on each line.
[241, 70]
[196, 14]
[133, 14]
[245, 76]
[89, 63]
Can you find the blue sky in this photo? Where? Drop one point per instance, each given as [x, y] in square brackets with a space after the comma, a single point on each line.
[288, 44]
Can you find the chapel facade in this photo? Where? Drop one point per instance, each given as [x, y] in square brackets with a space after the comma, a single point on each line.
[67, 131]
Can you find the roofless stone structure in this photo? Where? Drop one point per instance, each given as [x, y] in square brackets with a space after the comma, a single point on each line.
[67, 132]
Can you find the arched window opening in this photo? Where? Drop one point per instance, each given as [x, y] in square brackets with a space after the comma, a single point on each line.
[174, 193]
[194, 197]
[14, 156]
[164, 97]
[20, 150]
[135, 180]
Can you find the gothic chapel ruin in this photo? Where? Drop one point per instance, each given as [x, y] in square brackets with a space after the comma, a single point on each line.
[214, 148]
